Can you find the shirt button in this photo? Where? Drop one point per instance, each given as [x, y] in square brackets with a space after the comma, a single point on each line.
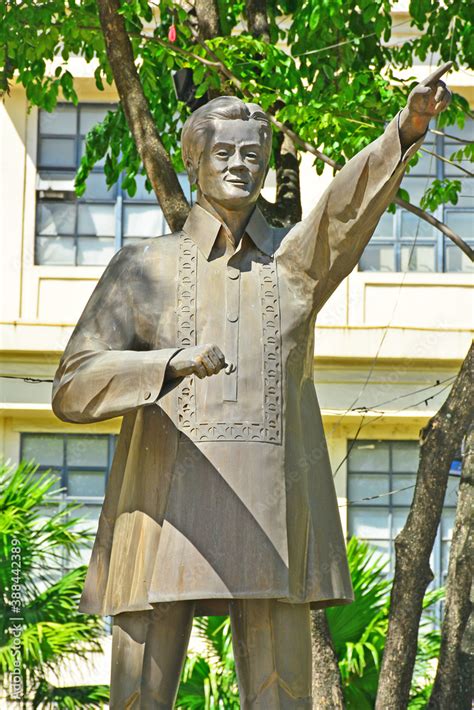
[233, 317]
[233, 273]
[147, 395]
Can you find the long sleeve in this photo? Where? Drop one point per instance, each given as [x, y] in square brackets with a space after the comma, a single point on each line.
[101, 375]
[327, 244]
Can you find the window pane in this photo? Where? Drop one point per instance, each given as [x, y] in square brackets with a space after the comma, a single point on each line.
[141, 193]
[447, 523]
[369, 456]
[445, 549]
[404, 497]
[57, 153]
[419, 258]
[46, 450]
[416, 187]
[61, 121]
[378, 257]
[385, 226]
[456, 260]
[399, 517]
[89, 116]
[451, 499]
[364, 486]
[59, 251]
[462, 222]
[55, 218]
[466, 133]
[413, 226]
[96, 219]
[466, 196]
[86, 451]
[405, 456]
[142, 221]
[95, 251]
[452, 170]
[86, 484]
[426, 164]
[96, 188]
[369, 523]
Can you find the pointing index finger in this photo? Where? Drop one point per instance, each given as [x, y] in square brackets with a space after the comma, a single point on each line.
[435, 76]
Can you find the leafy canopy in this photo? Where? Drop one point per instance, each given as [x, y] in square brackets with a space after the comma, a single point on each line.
[330, 71]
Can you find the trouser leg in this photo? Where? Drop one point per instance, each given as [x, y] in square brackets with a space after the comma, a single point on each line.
[148, 652]
[272, 649]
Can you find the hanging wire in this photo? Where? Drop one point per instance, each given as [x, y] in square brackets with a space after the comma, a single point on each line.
[425, 401]
[30, 380]
[374, 407]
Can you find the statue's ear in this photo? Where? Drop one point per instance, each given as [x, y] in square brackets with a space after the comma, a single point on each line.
[192, 172]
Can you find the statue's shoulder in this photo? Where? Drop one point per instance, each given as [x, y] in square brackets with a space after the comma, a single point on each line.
[147, 247]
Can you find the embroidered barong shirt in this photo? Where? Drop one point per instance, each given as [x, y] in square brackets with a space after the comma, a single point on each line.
[221, 488]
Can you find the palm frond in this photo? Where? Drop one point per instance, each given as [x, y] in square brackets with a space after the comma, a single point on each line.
[70, 698]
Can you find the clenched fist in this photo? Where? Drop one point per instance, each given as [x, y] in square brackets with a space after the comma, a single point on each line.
[426, 100]
[200, 360]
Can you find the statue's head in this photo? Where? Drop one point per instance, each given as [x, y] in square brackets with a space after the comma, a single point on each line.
[226, 146]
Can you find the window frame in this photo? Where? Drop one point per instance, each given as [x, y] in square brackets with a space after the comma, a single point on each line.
[119, 198]
[65, 468]
[439, 242]
[437, 553]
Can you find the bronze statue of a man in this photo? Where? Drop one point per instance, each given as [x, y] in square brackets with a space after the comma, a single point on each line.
[220, 496]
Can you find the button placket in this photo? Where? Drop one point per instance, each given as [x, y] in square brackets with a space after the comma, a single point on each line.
[232, 292]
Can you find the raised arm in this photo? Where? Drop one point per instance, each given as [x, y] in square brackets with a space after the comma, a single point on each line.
[100, 375]
[327, 244]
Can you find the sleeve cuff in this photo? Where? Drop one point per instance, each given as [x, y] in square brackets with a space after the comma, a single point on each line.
[152, 385]
[410, 152]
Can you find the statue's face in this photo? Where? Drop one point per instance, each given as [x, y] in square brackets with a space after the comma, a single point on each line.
[232, 167]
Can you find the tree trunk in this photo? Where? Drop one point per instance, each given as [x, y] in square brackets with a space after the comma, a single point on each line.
[207, 14]
[327, 686]
[440, 440]
[286, 210]
[257, 20]
[453, 682]
[155, 158]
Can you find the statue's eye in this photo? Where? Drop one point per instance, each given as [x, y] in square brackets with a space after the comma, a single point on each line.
[222, 153]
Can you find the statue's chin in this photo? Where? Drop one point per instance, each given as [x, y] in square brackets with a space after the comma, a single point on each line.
[233, 200]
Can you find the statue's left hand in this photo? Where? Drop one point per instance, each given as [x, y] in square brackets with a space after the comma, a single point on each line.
[426, 100]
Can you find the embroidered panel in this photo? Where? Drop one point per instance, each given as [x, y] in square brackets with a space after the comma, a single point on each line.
[269, 429]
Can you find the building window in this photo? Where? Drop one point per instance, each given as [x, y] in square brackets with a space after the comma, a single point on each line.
[376, 468]
[402, 241]
[81, 463]
[85, 231]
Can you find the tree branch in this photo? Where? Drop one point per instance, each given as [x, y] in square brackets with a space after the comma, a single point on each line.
[155, 158]
[453, 681]
[447, 160]
[304, 145]
[440, 440]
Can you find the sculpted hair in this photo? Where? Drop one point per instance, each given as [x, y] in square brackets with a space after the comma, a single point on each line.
[193, 135]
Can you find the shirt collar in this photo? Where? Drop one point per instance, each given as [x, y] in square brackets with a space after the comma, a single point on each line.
[203, 228]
